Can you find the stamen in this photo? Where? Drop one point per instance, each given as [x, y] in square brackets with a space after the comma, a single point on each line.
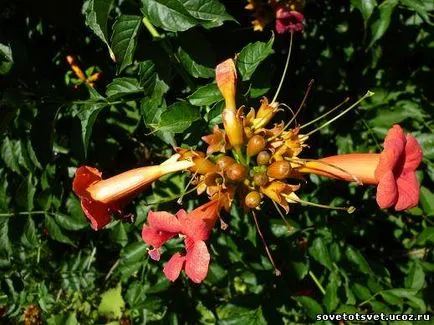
[276, 270]
[326, 113]
[368, 94]
[285, 69]
[300, 161]
[289, 227]
[350, 209]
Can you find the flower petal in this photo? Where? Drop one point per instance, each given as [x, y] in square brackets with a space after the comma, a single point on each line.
[197, 262]
[154, 237]
[98, 213]
[174, 267]
[408, 191]
[164, 221]
[195, 228]
[84, 177]
[387, 191]
[413, 153]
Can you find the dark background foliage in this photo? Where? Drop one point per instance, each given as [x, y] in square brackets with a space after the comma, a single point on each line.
[370, 261]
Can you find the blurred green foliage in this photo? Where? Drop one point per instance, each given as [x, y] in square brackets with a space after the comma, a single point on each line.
[160, 93]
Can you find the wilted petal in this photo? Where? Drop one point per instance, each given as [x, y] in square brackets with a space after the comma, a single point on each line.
[387, 191]
[174, 267]
[98, 213]
[154, 237]
[408, 189]
[197, 262]
[413, 153]
[164, 221]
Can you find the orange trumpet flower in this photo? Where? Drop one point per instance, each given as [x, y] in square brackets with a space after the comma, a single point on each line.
[394, 170]
[100, 198]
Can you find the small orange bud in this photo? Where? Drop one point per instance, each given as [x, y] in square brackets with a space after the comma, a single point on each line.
[279, 169]
[255, 145]
[260, 179]
[234, 127]
[253, 199]
[263, 158]
[224, 162]
[236, 172]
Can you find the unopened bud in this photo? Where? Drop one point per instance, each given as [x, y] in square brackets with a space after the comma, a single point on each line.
[255, 145]
[279, 169]
[253, 199]
[236, 172]
[263, 158]
[260, 179]
[224, 162]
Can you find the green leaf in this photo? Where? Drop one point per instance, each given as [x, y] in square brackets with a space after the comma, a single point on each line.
[427, 200]
[112, 303]
[87, 115]
[96, 13]
[5, 244]
[312, 307]
[391, 299]
[380, 26]
[320, 253]
[205, 95]
[251, 56]
[301, 269]
[426, 236]
[331, 299]
[426, 141]
[356, 258]
[366, 7]
[194, 68]
[55, 232]
[420, 7]
[169, 15]
[9, 155]
[134, 252]
[71, 222]
[362, 292]
[25, 193]
[416, 277]
[124, 39]
[6, 59]
[235, 315]
[29, 237]
[178, 117]
[211, 12]
[121, 87]
[119, 234]
[147, 76]
[75, 211]
[402, 110]
[4, 196]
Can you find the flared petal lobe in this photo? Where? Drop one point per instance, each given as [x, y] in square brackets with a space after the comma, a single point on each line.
[174, 267]
[197, 261]
[288, 21]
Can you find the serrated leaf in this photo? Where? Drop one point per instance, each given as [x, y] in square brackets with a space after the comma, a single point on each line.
[331, 299]
[55, 232]
[355, 257]
[121, 87]
[5, 244]
[124, 39]
[147, 76]
[96, 14]
[251, 56]
[211, 13]
[178, 117]
[233, 315]
[205, 95]
[87, 115]
[426, 236]
[380, 26]
[29, 237]
[169, 15]
[112, 303]
[320, 253]
[25, 193]
[9, 154]
[366, 7]
[68, 222]
[313, 308]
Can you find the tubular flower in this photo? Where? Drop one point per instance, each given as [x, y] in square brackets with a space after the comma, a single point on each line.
[233, 124]
[100, 198]
[195, 227]
[201, 164]
[288, 20]
[393, 170]
[226, 78]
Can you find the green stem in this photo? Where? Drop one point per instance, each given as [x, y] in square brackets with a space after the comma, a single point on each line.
[151, 29]
[28, 213]
[318, 284]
